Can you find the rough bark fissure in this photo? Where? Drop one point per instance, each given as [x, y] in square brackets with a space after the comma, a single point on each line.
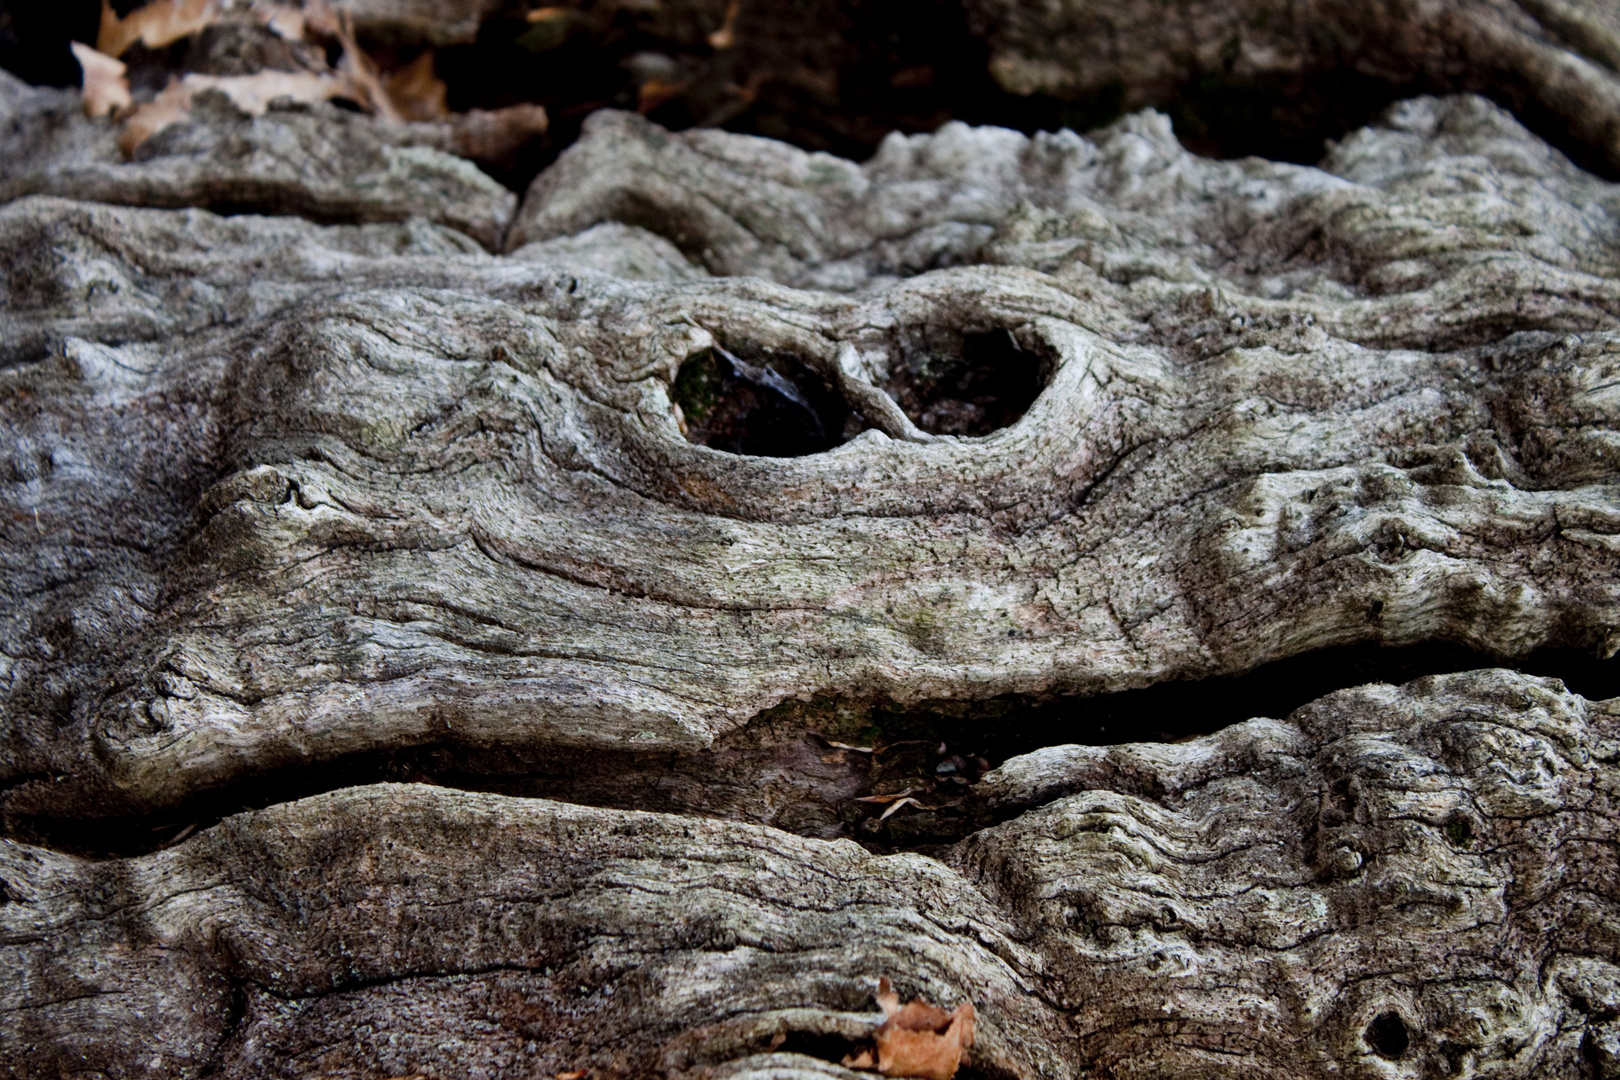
[282, 495]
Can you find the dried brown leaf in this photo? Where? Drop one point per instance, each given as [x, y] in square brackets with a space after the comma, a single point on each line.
[655, 92]
[284, 20]
[106, 89]
[169, 107]
[493, 136]
[918, 1039]
[416, 92]
[250, 93]
[361, 72]
[320, 18]
[159, 23]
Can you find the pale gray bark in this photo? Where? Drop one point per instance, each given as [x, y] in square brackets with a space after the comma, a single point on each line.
[278, 492]
[1251, 903]
[322, 163]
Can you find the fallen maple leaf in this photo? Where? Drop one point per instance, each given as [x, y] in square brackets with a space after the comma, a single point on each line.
[106, 89]
[250, 93]
[159, 23]
[917, 1039]
[416, 92]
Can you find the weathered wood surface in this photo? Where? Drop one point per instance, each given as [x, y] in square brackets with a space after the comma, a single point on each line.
[279, 491]
[1430, 866]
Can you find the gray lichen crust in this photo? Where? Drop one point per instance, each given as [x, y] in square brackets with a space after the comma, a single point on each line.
[278, 492]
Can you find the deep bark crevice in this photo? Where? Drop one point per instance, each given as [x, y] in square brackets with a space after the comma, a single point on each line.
[793, 768]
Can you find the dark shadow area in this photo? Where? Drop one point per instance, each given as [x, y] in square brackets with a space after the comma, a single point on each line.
[826, 1047]
[965, 384]
[34, 36]
[836, 77]
[773, 407]
[1387, 1035]
[1170, 711]
[1289, 118]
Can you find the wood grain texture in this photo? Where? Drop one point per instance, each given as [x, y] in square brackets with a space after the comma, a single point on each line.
[278, 492]
[340, 499]
[321, 162]
[1246, 904]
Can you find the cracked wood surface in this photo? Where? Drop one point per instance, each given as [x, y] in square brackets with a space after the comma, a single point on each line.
[286, 492]
[279, 492]
[1245, 904]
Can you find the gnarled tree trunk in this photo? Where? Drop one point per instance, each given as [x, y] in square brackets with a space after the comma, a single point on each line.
[648, 525]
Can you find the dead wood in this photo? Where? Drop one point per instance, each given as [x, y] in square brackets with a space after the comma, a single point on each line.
[729, 428]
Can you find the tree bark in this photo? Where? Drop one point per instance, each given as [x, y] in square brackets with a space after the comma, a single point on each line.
[389, 471]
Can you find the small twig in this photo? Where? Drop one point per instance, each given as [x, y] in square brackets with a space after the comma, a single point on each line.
[842, 746]
[885, 798]
[181, 835]
[903, 742]
[902, 802]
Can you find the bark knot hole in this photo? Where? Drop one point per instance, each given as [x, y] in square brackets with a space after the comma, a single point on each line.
[762, 404]
[1387, 1035]
[953, 383]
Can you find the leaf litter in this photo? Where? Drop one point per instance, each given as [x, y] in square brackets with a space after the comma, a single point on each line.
[160, 23]
[917, 1039]
[413, 93]
[106, 87]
